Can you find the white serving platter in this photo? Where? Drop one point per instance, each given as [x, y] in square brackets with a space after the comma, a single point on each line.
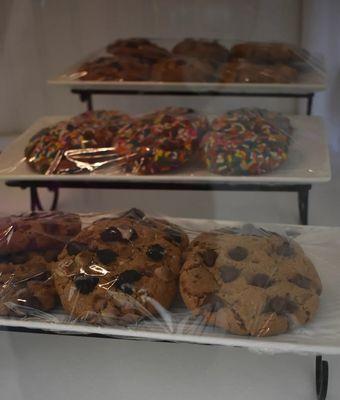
[321, 336]
[308, 161]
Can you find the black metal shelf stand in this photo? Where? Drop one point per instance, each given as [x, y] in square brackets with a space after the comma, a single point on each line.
[302, 190]
[86, 95]
[55, 185]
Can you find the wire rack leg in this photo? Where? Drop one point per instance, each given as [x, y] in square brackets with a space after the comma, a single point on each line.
[303, 197]
[36, 204]
[310, 99]
[321, 378]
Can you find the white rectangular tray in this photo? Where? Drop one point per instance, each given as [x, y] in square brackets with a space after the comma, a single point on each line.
[308, 161]
[321, 336]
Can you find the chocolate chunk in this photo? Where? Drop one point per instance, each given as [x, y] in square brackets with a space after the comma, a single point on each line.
[173, 236]
[106, 256]
[213, 302]
[156, 252]
[74, 248]
[285, 250]
[277, 304]
[209, 257]
[238, 253]
[4, 258]
[70, 127]
[88, 135]
[128, 276]
[229, 273]
[127, 288]
[85, 283]
[51, 228]
[301, 281]
[51, 255]
[19, 258]
[281, 306]
[134, 213]
[291, 306]
[261, 280]
[111, 234]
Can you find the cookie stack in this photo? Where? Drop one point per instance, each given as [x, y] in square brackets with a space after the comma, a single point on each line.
[195, 60]
[29, 246]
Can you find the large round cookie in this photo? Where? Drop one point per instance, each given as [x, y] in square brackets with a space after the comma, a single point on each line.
[241, 71]
[160, 142]
[183, 69]
[45, 150]
[265, 52]
[246, 142]
[141, 49]
[120, 269]
[115, 68]
[258, 285]
[37, 231]
[208, 50]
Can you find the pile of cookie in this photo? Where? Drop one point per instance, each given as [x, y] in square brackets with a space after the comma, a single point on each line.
[240, 142]
[128, 268]
[196, 60]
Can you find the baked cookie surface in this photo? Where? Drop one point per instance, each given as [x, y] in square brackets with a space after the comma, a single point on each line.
[241, 71]
[209, 50]
[258, 285]
[37, 231]
[119, 270]
[183, 69]
[45, 151]
[139, 48]
[246, 142]
[161, 141]
[29, 247]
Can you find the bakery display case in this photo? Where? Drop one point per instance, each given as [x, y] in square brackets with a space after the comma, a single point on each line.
[134, 274]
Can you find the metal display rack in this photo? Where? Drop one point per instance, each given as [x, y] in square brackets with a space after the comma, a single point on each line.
[54, 185]
[86, 95]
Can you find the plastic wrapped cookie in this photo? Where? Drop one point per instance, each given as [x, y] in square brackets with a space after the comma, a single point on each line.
[208, 50]
[119, 270]
[246, 142]
[163, 141]
[29, 247]
[249, 284]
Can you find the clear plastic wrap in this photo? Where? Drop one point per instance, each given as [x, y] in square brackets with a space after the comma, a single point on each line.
[271, 288]
[174, 143]
[197, 61]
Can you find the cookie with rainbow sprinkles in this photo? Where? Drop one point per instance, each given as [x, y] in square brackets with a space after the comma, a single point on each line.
[160, 142]
[246, 142]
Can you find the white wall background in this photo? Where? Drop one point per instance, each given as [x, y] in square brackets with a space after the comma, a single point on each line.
[40, 38]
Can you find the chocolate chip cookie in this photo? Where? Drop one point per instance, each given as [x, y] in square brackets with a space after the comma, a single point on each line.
[29, 246]
[119, 270]
[37, 231]
[22, 298]
[258, 285]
